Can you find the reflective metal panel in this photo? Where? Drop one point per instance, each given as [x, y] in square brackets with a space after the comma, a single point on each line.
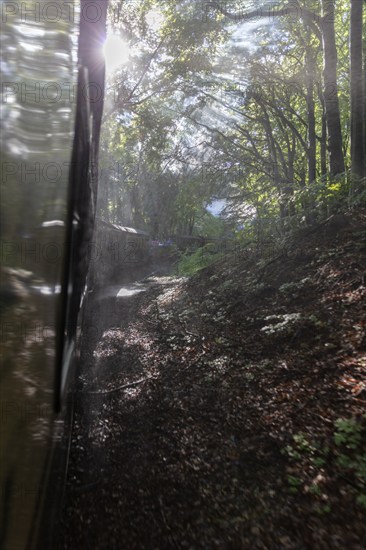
[38, 85]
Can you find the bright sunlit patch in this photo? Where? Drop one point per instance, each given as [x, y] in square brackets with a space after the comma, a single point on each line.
[154, 19]
[125, 292]
[116, 52]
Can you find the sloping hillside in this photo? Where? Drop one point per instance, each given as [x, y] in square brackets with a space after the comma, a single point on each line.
[228, 410]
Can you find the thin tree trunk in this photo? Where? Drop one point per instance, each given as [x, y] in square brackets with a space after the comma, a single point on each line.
[357, 115]
[336, 158]
[364, 100]
[289, 188]
[273, 158]
[323, 138]
[311, 116]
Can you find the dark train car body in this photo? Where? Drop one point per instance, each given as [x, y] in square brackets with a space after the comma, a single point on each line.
[117, 252]
[48, 143]
[221, 245]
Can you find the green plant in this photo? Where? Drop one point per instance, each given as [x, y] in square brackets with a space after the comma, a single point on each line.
[302, 448]
[294, 482]
[322, 509]
[315, 490]
[348, 433]
[191, 262]
[311, 458]
[361, 499]
[351, 458]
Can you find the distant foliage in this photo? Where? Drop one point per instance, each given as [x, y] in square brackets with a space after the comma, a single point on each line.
[271, 123]
[204, 256]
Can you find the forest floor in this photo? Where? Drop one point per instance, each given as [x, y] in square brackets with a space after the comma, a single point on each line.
[227, 410]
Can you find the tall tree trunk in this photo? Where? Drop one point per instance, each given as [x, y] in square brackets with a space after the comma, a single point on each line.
[357, 107]
[104, 183]
[289, 187]
[323, 138]
[310, 63]
[323, 149]
[336, 158]
[364, 97]
[273, 159]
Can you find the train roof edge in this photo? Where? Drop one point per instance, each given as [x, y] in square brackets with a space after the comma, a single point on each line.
[118, 227]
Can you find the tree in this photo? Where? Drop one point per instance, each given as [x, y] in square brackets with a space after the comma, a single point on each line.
[193, 96]
[336, 159]
[331, 101]
[358, 163]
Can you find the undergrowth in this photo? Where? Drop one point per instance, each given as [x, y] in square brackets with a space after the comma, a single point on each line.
[189, 263]
[346, 451]
[267, 232]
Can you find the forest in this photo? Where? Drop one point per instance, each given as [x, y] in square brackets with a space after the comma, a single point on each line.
[256, 107]
[222, 403]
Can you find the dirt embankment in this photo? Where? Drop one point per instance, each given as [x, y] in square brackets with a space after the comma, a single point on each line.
[227, 410]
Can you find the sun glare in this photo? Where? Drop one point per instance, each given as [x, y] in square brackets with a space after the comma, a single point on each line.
[116, 52]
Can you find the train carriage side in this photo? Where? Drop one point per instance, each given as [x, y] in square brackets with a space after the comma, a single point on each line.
[118, 250]
[49, 139]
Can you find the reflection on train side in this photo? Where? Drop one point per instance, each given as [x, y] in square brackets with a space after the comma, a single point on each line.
[36, 133]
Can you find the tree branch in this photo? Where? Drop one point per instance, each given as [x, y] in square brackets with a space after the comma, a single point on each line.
[289, 9]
